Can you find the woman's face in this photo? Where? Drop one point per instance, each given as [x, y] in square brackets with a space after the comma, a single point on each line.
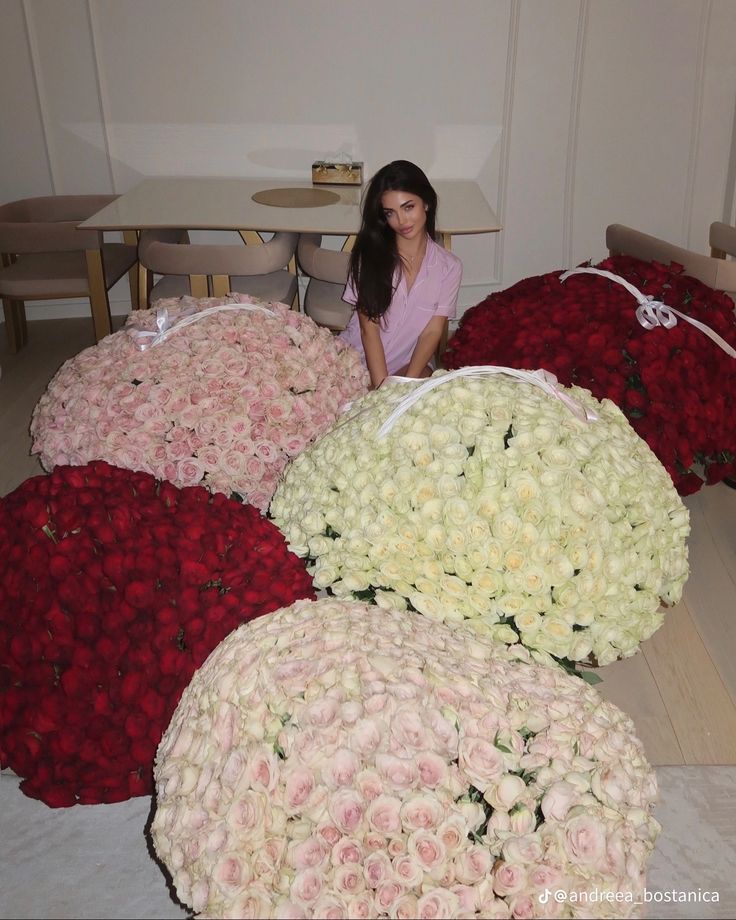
[406, 214]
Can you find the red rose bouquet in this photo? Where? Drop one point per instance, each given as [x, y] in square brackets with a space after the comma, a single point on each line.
[114, 588]
[676, 386]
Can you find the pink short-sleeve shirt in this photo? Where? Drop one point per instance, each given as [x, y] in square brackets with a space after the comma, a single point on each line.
[434, 293]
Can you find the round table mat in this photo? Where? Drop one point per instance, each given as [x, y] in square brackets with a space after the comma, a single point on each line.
[296, 197]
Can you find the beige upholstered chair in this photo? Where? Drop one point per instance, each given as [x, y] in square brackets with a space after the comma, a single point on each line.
[328, 274]
[205, 270]
[44, 258]
[715, 270]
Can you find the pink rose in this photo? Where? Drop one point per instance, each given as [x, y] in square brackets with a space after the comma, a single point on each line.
[365, 737]
[396, 847]
[437, 905]
[189, 472]
[200, 895]
[346, 850]
[299, 786]
[373, 841]
[330, 907]
[509, 878]
[397, 772]
[558, 800]
[522, 907]
[408, 729]
[348, 880]
[388, 893]
[421, 811]
[453, 832]
[585, 839]
[472, 864]
[404, 908]
[263, 769]
[248, 811]
[306, 887]
[481, 761]
[432, 769]
[330, 833]
[524, 850]
[307, 854]
[320, 713]
[467, 897]
[340, 769]
[360, 907]
[346, 809]
[376, 868]
[408, 871]
[231, 873]
[427, 849]
[384, 815]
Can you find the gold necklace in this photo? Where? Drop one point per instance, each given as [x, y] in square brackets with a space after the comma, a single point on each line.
[411, 259]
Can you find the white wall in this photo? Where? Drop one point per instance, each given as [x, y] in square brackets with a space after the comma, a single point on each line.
[570, 114]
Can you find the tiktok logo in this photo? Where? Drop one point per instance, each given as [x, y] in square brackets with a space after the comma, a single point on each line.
[544, 896]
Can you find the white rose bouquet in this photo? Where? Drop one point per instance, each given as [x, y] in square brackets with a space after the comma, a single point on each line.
[220, 392]
[490, 502]
[337, 760]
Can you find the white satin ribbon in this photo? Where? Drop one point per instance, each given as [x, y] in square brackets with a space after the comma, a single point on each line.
[165, 325]
[539, 378]
[652, 313]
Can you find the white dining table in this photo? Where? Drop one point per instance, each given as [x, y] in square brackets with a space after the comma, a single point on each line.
[224, 203]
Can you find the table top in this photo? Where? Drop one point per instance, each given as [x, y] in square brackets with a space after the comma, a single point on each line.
[214, 203]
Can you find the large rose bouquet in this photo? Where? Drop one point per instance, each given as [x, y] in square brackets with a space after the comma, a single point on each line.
[336, 760]
[675, 385]
[490, 501]
[114, 588]
[222, 402]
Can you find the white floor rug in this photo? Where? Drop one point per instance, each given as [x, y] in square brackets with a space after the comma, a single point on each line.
[94, 861]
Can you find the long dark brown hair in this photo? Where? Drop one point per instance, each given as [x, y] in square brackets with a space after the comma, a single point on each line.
[375, 257]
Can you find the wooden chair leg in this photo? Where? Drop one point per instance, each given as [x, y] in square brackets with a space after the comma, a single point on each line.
[16, 329]
[131, 237]
[98, 298]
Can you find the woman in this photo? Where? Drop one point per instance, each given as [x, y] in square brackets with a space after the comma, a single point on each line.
[403, 284]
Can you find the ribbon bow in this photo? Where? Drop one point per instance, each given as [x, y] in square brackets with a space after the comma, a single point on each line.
[652, 313]
[165, 325]
[540, 378]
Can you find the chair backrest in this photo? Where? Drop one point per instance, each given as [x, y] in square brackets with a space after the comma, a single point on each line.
[323, 264]
[48, 223]
[722, 240]
[161, 252]
[717, 273]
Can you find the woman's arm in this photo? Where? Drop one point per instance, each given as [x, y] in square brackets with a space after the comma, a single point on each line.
[429, 339]
[375, 357]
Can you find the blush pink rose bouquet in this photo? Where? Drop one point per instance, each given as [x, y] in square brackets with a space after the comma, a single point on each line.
[224, 402]
[339, 760]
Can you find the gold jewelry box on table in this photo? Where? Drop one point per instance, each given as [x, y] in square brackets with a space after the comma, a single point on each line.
[327, 173]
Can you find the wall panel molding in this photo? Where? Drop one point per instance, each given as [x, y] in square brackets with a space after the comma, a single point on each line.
[568, 215]
[33, 53]
[508, 106]
[101, 93]
[696, 123]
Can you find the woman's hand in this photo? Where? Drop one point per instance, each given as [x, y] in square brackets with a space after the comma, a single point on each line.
[429, 338]
[375, 357]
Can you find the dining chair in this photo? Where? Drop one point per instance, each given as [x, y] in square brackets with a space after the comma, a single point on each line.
[714, 270]
[44, 257]
[327, 270]
[260, 269]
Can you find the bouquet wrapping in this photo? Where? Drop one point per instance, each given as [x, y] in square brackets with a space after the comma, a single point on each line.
[337, 760]
[675, 385]
[489, 502]
[114, 588]
[223, 402]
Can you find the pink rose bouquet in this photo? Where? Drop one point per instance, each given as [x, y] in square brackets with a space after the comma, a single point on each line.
[223, 402]
[339, 760]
